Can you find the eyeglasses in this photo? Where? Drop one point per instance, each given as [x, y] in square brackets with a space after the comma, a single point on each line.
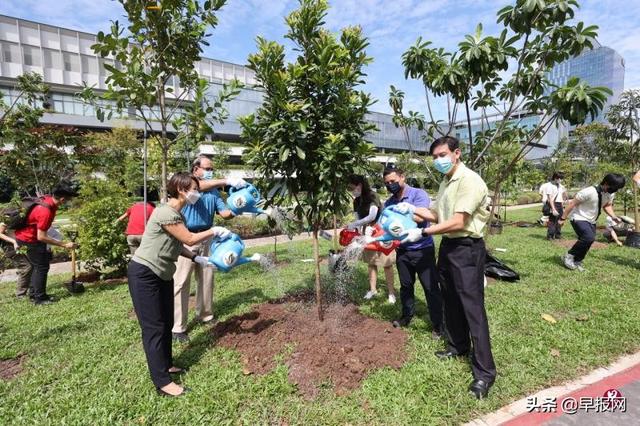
[208, 169]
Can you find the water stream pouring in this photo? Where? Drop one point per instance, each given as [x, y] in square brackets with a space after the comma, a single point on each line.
[227, 253]
[394, 226]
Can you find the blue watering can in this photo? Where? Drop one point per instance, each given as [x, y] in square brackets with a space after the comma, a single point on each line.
[227, 253]
[395, 225]
[244, 200]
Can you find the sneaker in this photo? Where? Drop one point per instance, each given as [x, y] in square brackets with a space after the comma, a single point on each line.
[370, 295]
[568, 262]
[180, 337]
[402, 322]
[579, 266]
[392, 299]
[436, 335]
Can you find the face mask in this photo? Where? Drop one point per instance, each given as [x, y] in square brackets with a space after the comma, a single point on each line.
[443, 164]
[192, 197]
[393, 187]
[207, 175]
[356, 193]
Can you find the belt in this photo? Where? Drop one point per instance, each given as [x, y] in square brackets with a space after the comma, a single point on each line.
[461, 240]
[194, 230]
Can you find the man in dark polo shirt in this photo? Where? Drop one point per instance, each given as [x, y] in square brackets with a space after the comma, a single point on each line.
[34, 237]
[415, 258]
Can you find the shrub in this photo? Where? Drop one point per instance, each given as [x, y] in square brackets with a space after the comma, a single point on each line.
[102, 241]
[247, 227]
[523, 199]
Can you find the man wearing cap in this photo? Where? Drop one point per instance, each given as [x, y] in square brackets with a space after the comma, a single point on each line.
[34, 237]
[460, 215]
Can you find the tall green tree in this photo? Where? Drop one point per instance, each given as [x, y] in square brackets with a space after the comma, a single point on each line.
[507, 75]
[158, 49]
[624, 118]
[34, 157]
[310, 132]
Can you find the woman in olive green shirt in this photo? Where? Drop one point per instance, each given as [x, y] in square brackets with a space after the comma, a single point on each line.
[151, 277]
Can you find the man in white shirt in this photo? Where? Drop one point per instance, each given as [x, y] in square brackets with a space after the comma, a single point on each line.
[556, 195]
[544, 192]
[584, 211]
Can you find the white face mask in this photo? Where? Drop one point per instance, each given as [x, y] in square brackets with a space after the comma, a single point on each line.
[207, 175]
[192, 197]
[356, 192]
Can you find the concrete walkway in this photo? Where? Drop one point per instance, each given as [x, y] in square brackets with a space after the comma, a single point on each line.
[65, 267]
[586, 401]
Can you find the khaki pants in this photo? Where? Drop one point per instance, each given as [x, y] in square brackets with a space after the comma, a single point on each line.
[24, 269]
[133, 241]
[204, 289]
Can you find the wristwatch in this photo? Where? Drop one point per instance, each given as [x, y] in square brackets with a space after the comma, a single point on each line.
[193, 258]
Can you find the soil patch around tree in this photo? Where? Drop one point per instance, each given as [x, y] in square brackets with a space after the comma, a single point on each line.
[569, 243]
[10, 368]
[341, 350]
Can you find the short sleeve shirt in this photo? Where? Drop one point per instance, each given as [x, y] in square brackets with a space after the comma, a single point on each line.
[464, 192]
[158, 249]
[40, 219]
[200, 216]
[136, 215]
[587, 208]
[419, 198]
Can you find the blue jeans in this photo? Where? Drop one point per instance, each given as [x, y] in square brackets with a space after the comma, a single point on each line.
[586, 236]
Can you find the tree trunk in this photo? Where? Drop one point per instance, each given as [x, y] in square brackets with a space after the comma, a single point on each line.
[275, 249]
[466, 104]
[636, 212]
[318, 285]
[165, 156]
[335, 232]
[494, 203]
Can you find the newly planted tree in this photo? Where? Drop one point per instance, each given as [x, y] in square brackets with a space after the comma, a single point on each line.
[505, 76]
[154, 74]
[310, 132]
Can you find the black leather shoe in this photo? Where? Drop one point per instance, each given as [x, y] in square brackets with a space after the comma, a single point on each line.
[180, 337]
[448, 354]
[163, 393]
[479, 388]
[402, 322]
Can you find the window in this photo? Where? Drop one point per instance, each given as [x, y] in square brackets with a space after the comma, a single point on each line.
[89, 64]
[71, 62]
[10, 53]
[31, 56]
[52, 59]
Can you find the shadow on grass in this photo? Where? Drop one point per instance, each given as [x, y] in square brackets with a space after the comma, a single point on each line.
[622, 261]
[72, 327]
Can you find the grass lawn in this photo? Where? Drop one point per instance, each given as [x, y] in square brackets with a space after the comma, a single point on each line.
[84, 360]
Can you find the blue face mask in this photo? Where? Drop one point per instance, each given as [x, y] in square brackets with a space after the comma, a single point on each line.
[207, 175]
[443, 164]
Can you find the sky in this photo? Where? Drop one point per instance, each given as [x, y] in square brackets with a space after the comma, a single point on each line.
[391, 26]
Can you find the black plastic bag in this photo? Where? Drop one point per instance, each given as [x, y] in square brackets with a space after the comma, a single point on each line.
[496, 269]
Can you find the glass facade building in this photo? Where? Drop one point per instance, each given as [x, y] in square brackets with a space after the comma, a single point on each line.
[600, 66]
[65, 59]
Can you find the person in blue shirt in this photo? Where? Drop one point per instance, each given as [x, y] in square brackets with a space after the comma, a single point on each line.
[415, 258]
[199, 217]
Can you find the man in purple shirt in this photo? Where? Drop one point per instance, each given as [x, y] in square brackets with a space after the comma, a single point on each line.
[415, 258]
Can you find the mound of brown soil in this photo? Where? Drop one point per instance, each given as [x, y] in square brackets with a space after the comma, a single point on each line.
[10, 368]
[569, 243]
[342, 349]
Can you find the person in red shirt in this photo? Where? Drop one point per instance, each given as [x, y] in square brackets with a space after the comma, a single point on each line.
[136, 223]
[34, 237]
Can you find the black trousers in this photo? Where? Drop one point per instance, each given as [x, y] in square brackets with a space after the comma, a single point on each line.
[553, 229]
[586, 232]
[39, 257]
[153, 303]
[461, 267]
[423, 263]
